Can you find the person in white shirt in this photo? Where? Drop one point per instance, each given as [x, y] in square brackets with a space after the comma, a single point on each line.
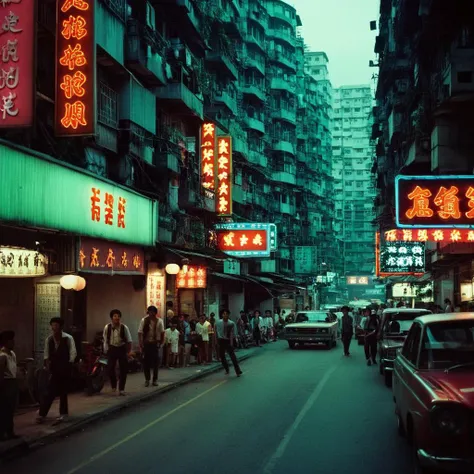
[117, 346]
[202, 328]
[269, 326]
[257, 324]
[172, 342]
[8, 385]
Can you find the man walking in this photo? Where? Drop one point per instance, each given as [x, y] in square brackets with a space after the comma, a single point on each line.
[226, 330]
[8, 385]
[117, 346]
[151, 335]
[371, 330]
[59, 355]
[347, 330]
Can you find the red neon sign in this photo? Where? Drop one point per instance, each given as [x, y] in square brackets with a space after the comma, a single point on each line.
[108, 217]
[208, 149]
[17, 85]
[239, 240]
[195, 277]
[224, 175]
[75, 68]
[430, 235]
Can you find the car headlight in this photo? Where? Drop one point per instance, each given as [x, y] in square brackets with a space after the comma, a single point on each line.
[449, 420]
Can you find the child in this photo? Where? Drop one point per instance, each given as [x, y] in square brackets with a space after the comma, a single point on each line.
[172, 340]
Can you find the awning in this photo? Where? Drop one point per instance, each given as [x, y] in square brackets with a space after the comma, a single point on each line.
[411, 278]
[228, 277]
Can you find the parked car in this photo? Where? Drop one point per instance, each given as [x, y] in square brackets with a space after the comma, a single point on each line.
[433, 388]
[312, 327]
[394, 326]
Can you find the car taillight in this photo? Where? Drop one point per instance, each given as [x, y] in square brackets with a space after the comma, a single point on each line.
[449, 419]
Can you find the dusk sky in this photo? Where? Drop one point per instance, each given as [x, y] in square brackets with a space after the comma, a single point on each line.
[341, 28]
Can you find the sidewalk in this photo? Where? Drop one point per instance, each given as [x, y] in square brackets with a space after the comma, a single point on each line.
[85, 410]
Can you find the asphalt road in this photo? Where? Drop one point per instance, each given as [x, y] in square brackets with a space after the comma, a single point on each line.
[306, 410]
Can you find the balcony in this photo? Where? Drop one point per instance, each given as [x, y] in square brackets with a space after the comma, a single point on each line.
[223, 98]
[238, 194]
[301, 156]
[280, 83]
[190, 199]
[107, 137]
[181, 99]
[221, 61]
[240, 144]
[253, 40]
[258, 158]
[284, 177]
[287, 208]
[283, 146]
[254, 91]
[111, 18]
[166, 160]
[285, 115]
[283, 35]
[254, 123]
[141, 53]
[273, 12]
[283, 59]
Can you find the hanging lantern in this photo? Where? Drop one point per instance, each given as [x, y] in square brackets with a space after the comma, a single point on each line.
[72, 282]
[80, 284]
[172, 268]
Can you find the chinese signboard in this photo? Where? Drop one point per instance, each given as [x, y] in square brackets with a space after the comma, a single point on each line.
[246, 240]
[54, 195]
[208, 149]
[18, 262]
[47, 306]
[17, 39]
[357, 280]
[194, 278]
[98, 256]
[231, 267]
[305, 260]
[224, 177]
[75, 68]
[156, 288]
[401, 258]
[435, 201]
[430, 235]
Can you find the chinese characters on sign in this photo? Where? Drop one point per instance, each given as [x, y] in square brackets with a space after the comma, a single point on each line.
[19, 262]
[208, 149]
[17, 36]
[405, 258]
[100, 256]
[357, 280]
[156, 288]
[435, 201]
[47, 306]
[195, 277]
[224, 177]
[447, 236]
[75, 68]
[110, 204]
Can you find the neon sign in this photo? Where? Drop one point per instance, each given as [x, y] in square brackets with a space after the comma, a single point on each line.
[208, 149]
[224, 177]
[451, 235]
[194, 278]
[75, 68]
[435, 201]
[401, 258]
[17, 85]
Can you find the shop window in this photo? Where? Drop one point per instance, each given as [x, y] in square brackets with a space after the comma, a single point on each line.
[107, 105]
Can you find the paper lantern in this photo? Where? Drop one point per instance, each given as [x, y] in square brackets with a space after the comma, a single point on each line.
[172, 268]
[72, 282]
[80, 284]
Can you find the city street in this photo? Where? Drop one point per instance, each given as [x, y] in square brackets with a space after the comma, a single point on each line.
[310, 410]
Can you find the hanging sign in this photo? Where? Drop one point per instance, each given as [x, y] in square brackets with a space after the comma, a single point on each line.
[156, 288]
[435, 201]
[401, 258]
[20, 263]
[194, 278]
[224, 177]
[430, 235]
[75, 68]
[17, 84]
[208, 149]
[357, 280]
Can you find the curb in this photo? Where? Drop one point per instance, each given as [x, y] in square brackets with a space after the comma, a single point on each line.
[36, 443]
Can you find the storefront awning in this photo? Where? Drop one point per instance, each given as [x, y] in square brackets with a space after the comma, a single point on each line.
[411, 278]
[228, 277]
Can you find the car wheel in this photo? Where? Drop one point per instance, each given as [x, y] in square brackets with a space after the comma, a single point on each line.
[388, 379]
[291, 344]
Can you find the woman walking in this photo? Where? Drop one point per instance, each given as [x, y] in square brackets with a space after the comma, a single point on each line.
[257, 328]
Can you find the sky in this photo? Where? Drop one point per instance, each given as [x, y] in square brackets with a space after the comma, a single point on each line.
[341, 28]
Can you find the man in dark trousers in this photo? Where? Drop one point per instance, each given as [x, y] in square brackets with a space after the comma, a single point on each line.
[59, 355]
[226, 331]
[371, 330]
[117, 346]
[8, 385]
[347, 330]
[151, 335]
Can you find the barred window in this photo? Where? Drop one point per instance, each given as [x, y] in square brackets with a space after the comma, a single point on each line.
[108, 105]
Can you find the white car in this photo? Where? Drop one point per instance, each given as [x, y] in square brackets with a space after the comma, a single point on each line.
[312, 327]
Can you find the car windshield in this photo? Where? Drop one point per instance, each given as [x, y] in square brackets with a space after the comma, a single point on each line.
[400, 322]
[312, 318]
[448, 344]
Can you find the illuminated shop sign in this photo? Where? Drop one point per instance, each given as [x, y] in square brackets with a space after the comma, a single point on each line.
[401, 258]
[17, 82]
[208, 150]
[22, 263]
[156, 288]
[246, 239]
[357, 280]
[435, 201]
[75, 68]
[430, 235]
[194, 278]
[98, 256]
[224, 177]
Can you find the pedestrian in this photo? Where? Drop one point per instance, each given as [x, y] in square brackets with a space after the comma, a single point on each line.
[151, 335]
[202, 328]
[172, 343]
[169, 314]
[187, 340]
[8, 385]
[449, 308]
[257, 328]
[270, 326]
[371, 330]
[59, 355]
[117, 346]
[213, 351]
[347, 330]
[226, 330]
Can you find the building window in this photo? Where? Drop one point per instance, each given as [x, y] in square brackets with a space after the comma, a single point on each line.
[108, 105]
[116, 6]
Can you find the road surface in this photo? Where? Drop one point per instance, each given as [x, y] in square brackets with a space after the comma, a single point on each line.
[306, 410]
